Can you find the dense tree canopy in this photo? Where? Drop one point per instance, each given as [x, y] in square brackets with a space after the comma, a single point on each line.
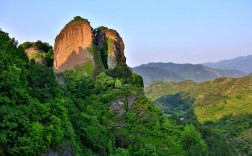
[38, 115]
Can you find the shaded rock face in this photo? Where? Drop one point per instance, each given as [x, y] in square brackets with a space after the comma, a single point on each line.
[119, 106]
[111, 46]
[72, 45]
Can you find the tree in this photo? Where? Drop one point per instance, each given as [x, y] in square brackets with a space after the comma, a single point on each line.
[118, 84]
[103, 81]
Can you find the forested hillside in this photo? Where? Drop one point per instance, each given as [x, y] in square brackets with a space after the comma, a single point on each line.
[222, 105]
[103, 115]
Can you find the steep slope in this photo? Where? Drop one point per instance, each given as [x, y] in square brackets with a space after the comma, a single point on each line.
[111, 47]
[72, 46]
[242, 63]
[176, 72]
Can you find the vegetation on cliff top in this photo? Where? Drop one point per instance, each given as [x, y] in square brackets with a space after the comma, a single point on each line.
[44, 51]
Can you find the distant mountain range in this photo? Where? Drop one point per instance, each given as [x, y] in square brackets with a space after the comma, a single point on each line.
[242, 63]
[168, 72]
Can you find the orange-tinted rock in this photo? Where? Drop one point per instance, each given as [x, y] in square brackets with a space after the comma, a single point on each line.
[111, 46]
[36, 55]
[31, 51]
[72, 45]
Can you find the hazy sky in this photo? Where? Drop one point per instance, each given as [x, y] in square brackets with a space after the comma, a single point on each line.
[180, 31]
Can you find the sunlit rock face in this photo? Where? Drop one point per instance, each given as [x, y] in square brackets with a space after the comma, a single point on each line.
[72, 46]
[78, 45]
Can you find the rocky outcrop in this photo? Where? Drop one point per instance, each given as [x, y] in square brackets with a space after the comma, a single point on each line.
[119, 106]
[72, 46]
[111, 46]
[32, 51]
[78, 44]
[36, 54]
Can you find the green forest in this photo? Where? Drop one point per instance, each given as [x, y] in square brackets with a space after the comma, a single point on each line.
[219, 109]
[39, 116]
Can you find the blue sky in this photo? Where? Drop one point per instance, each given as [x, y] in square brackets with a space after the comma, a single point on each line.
[180, 31]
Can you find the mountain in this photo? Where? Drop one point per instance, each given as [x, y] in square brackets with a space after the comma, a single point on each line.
[99, 107]
[223, 105]
[79, 44]
[242, 63]
[213, 99]
[168, 72]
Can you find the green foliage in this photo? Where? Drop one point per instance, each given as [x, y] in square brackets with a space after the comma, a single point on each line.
[41, 46]
[88, 67]
[121, 72]
[44, 52]
[213, 99]
[77, 19]
[192, 141]
[27, 45]
[222, 101]
[103, 81]
[110, 44]
[118, 84]
[237, 130]
[37, 114]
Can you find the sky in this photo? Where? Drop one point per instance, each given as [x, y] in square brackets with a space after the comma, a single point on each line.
[179, 31]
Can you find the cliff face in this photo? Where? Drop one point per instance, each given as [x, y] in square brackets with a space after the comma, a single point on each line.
[111, 46]
[72, 45]
[78, 45]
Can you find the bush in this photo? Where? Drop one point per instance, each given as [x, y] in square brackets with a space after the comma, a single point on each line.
[118, 84]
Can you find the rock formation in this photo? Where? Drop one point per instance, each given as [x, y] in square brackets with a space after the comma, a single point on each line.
[111, 46]
[72, 45]
[79, 45]
[36, 55]
[31, 51]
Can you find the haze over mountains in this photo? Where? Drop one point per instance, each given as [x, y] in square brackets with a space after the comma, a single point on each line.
[178, 72]
[242, 63]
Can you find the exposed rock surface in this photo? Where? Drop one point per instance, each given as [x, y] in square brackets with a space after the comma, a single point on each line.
[36, 54]
[111, 46]
[72, 45]
[119, 106]
[78, 44]
[31, 51]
